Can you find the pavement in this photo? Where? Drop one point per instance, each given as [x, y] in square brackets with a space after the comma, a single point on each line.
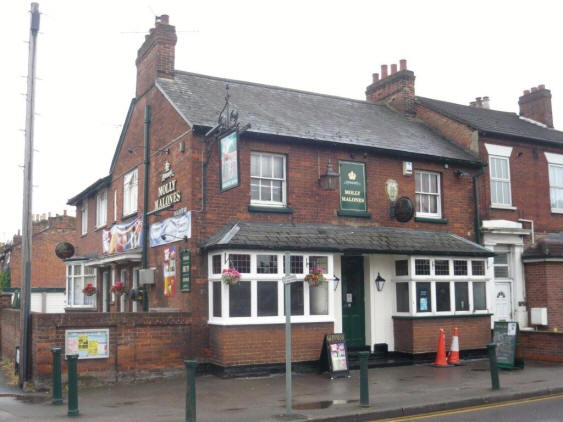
[394, 392]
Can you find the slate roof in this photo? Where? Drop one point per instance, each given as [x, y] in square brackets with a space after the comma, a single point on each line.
[340, 238]
[90, 190]
[493, 121]
[550, 246]
[297, 114]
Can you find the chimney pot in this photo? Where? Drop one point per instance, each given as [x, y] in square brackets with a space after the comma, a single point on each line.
[64, 212]
[534, 89]
[383, 71]
[403, 64]
[164, 19]
[526, 92]
[393, 69]
[542, 86]
[375, 77]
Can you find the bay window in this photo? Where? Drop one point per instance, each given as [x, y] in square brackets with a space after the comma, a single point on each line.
[77, 276]
[258, 297]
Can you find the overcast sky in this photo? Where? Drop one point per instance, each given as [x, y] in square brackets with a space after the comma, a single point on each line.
[86, 66]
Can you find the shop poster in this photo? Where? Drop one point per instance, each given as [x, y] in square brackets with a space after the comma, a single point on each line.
[169, 271]
[87, 344]
[123, 237]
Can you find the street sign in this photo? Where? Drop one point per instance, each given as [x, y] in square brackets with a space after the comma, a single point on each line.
[290, 278]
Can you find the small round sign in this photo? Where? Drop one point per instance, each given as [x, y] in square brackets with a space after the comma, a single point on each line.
[404, 209]
[64, 250]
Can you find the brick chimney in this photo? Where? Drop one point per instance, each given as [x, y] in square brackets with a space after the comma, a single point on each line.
[480, 103]
[155, 58]
[536, 104]
[395, 90]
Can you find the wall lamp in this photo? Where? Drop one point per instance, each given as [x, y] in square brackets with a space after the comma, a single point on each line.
[336, 281]
[379, 282]
[165, 235]
[460, 173]
[329, 180]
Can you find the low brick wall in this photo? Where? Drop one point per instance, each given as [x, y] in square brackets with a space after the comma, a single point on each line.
[265, 344]
[420, 334]
[542, 345]
[141, 345]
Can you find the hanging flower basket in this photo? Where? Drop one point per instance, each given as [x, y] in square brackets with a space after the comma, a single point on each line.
[89, 289]
[230, 276]
[119, 288]
[315, 277]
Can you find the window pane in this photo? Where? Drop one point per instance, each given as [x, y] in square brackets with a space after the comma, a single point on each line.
[460, 267]
[461, 297]
[266, 165]
[216, 298]
[479, 297]
[216, 264]
[442, 267]
[267, 264]
[501, 272]
[78, 298]
[402, 291]
[423, 298]
[240, 262]
[278, 167]
[255, 189]
[443, 297]
[267, 298]
[422, 267]
[318, 299]
[254, 165]
[402, 267]
[239, 299]
[318, 262]
[297, 300]
[77, 269]
[478, 267]
[433, 204]
[418, 181]
[296, 264]
[277, 190]
[265, 190]
[425, 182]
[501, 258]
[433, 183]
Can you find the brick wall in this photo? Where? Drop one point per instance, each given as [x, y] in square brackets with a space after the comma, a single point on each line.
[420, 335]
[9, 332]
[251, 345]
[545, 289]
[541, 345]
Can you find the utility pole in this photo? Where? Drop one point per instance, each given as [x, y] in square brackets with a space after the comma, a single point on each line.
[27, 228]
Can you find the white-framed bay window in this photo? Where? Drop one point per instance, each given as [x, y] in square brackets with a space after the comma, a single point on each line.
[77, 276]
[267, 179]
[101, 208]
[258, 298]
[428, 194]
[426, 286]
[130, 192]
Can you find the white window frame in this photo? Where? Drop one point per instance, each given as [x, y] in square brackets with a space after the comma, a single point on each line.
[115, 205]
[283, 180]
[84, 216]
[500, 152]
[432, 278]
[553, 161]
[88, 302]
[438, 194]
[101, 208]
[255, 278]
[130, 192]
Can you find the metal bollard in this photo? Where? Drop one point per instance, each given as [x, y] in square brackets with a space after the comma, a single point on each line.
[57, 383]
[191, 366]
[72, 385]
[364, 386]
[491, 348]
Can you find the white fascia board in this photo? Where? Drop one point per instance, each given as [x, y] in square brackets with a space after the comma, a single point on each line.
[499, 150]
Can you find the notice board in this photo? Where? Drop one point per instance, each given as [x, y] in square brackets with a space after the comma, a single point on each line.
[334, 355]
[505, 334]
[87, 344]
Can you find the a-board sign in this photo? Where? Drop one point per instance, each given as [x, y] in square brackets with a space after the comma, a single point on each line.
[334, 355]
[87, 344]
[505, 334]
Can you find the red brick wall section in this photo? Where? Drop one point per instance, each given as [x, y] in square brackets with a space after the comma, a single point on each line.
[9, 332]
[251, 345]
[544, 288]
[541, 345]
[420, 335]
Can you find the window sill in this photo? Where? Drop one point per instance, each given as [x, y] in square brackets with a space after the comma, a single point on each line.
[442, 316]
[131, 214]
[100, 227]
[80, 309]
[556, 211]
[263, 208]
[358, 214]
[295, 319]
[504, 207]
[435, 220]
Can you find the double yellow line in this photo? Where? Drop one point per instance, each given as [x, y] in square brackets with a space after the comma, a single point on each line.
[470, 409]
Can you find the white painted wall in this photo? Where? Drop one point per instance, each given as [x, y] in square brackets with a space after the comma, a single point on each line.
[337, 294]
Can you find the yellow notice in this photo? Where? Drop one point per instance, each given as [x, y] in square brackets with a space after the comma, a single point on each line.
[92, 347]
[83, 342]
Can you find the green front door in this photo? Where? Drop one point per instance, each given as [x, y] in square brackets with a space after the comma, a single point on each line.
[353, 312]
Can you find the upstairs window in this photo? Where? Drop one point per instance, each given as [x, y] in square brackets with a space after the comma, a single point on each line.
[268, 178]
[101, 208]
[84, 216]
[427, 192]
[556, 187]
[130, 192]
[500, 181]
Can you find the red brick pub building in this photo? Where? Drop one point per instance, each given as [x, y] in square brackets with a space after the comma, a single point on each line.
[238, 173]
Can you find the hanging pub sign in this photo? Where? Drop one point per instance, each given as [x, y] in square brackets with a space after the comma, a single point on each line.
[185, 270]
[167, 192]
[352, 187]
[334, 356]
[228, 151]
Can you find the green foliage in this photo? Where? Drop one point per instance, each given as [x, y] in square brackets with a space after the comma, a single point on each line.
[5, 279]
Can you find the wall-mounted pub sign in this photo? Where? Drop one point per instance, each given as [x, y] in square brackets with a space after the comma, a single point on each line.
[228, 151]
[167, 191]
[185, 270]
[352, 187]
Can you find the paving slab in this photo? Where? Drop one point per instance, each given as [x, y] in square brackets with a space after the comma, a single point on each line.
[394, 391]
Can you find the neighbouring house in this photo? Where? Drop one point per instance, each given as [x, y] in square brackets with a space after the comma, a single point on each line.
[48, 278]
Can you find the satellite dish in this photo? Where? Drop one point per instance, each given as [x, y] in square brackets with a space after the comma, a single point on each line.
[404, 209]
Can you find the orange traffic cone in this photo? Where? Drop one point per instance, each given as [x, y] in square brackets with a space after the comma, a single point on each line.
[441, 352]
[453, 356]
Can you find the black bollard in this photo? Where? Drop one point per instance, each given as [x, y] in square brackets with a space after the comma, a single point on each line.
[491, 348]
[57, 383]
[364, 385]
[72, 385]
[191, 366]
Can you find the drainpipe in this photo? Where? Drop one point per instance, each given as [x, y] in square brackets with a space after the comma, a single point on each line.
[146, 162]
[476, 201]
